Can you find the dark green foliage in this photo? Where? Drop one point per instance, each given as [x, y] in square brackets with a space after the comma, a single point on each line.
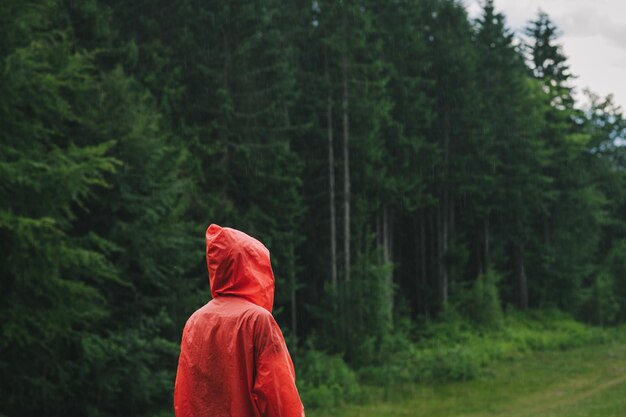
[452, 350]
[600, 304]
[49, 171]
[607, 296]
[369, 296]
[91, 219]
[326, 381]
[568, 232]
[466, 177]
[140, 215]
[547, 62]
[481, 303]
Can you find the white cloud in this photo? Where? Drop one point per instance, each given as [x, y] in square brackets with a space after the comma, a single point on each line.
[594, 37]
[588, 21]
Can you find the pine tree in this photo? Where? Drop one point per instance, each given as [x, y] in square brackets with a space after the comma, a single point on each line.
[604, 166]
[51, 276]
[565, 252]
[454, 94]
[402, 168]
[510, 187]
[90, 308]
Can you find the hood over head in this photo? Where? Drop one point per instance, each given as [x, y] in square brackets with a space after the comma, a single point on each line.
[239, 265]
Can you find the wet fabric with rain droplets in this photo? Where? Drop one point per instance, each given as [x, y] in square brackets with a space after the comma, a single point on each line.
[233, 358]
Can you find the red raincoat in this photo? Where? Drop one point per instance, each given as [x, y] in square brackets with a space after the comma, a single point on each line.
[233, 358]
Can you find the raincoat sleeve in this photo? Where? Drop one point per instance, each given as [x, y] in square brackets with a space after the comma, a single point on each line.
[274, 391]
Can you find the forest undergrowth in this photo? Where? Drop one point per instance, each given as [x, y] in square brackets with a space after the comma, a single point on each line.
[452, 348]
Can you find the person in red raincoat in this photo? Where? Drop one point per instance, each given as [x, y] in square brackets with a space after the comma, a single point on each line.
[233, 358]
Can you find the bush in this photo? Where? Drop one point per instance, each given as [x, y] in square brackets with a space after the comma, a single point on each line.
[615, 264]
[453, 348]
[600, 305]
[457, 349]
[481, 303]
[325, 381]
[388, 364]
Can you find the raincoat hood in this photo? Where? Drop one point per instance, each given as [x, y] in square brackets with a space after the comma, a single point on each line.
[239, 265]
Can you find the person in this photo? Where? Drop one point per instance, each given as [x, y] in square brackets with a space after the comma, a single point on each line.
[233, 357]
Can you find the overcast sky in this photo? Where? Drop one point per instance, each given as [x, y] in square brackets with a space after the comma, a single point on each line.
[593, 38]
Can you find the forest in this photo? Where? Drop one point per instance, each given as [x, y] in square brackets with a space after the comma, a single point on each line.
[412, 171]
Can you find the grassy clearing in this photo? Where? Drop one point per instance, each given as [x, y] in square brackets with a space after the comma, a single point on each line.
[588, 381]
[448, 350]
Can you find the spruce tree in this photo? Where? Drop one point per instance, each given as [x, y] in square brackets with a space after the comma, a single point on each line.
[454, 95]
[568, 231]
[93, 265]
[509, 155]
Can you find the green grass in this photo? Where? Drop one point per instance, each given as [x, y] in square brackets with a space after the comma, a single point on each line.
[587, 381]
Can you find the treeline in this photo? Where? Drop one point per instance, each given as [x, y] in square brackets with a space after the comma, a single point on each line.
[398, 159]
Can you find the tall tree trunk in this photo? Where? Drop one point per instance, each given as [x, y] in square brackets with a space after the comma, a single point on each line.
[331, 186]
[387, 256]
[435, 249]
[443, 250]
[347, 293]
[294, 306]
[520, 277]
[445, 211]
[379, 231]
[421, 288]
[346, 167]
[486, 237]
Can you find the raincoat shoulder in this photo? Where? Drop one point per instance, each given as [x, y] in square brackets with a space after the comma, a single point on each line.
[233, 358]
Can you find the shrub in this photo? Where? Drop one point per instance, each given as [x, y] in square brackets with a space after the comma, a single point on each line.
[480, 304]
[615, 264]
[325, 381]
[600, 305]
[456, 349]
[453, 348]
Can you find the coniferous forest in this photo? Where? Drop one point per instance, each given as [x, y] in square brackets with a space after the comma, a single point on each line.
[404, 164]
